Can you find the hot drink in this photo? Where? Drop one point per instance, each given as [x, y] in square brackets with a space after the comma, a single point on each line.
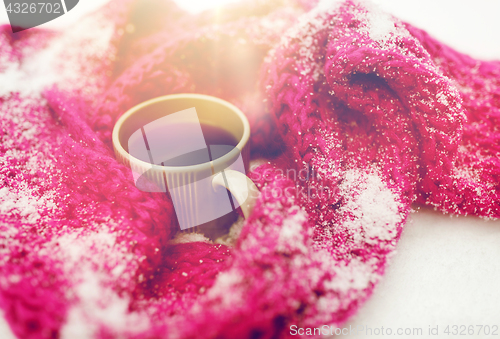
[180, 144]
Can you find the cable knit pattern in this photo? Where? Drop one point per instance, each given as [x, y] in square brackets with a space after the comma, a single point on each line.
[356, 114]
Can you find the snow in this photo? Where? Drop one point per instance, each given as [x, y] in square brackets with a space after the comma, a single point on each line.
[227, 281]
[5, 330]
[374, 208]
[99, 303]
[381, 26]
[291, 236]
[470, 27]
[185, 237]
[24, 203]
[446, 270]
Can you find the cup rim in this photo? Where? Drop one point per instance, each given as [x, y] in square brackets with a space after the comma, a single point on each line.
[189, 168]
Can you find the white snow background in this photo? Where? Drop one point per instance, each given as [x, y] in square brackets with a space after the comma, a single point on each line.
[447, 269]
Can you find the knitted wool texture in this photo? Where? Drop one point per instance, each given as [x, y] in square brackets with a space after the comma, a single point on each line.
[358, 114]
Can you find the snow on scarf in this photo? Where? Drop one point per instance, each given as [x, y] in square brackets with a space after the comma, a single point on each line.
[354, 116]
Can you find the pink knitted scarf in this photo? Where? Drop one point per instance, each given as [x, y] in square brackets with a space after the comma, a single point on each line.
[354, 114]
